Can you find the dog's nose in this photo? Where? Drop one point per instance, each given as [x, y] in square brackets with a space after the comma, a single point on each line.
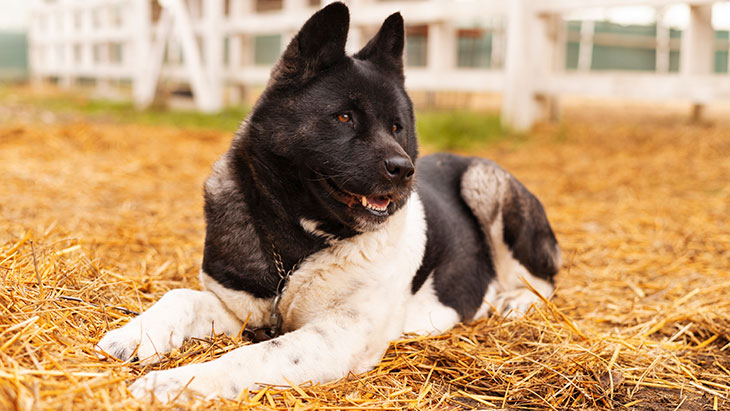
[399, 167]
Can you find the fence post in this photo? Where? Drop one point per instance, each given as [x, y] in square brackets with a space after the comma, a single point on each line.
[67, 31]
[585, 47]
[498, 45]
[213, 50]
[697, 54]
[145, 86]
[199, 81]
[441, 47]
[141, 50]
[663, 39]
[533, 52]
[518, 111]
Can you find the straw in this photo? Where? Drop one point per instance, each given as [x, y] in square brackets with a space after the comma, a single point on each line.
[100, 220]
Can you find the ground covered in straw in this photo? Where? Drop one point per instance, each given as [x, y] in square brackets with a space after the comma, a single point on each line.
[98, 220]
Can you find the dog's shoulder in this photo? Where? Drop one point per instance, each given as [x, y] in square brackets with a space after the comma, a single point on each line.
[233, 254]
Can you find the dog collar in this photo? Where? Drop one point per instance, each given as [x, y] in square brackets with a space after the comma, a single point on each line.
[275, 317]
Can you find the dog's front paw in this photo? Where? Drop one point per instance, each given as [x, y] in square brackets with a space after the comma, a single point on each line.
[135, 342]
[157, 331]
[181, 384]
[119, 343]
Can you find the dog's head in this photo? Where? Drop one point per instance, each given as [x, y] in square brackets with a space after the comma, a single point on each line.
[341, 127]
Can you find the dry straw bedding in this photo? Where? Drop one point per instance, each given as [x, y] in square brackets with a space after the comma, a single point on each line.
[99, 220]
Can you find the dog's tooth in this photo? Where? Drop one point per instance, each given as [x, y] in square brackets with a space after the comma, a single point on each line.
[365, 201]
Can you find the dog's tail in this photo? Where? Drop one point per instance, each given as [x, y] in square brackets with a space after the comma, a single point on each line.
[510, 215]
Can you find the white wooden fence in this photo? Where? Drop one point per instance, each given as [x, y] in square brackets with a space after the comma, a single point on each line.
[132, 41]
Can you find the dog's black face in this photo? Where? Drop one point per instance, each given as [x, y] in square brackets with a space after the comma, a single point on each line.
[359, 165]
[340, 129]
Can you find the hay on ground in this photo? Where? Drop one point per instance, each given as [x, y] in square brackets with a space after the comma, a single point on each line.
[99, 220]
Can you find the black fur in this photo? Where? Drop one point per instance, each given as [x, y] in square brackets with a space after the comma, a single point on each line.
[456, 251]
[292, 149]
[329, 129]
[458, 254]
[528, 234]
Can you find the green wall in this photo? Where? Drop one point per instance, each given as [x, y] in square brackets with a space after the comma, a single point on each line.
[640, 58]
[13, 56]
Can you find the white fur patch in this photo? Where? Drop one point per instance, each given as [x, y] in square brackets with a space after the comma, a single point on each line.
[240, 303]
[512, 297]
[426, 314]
[312, 227]
[180, 314]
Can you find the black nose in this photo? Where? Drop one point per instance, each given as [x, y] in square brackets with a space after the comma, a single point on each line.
[399, 167]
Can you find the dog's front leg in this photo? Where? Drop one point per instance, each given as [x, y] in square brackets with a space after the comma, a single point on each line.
[320, 351]
[179, 315]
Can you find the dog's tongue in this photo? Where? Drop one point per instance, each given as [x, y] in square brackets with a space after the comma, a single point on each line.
[378, 202]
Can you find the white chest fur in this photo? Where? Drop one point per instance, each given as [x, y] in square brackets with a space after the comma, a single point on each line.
[361, 276]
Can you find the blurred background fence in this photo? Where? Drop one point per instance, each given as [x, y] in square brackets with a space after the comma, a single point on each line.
[528, 52]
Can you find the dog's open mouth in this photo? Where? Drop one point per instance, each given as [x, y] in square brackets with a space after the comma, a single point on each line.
[375, 204]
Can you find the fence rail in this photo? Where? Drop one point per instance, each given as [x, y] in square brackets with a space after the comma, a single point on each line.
[209, 45]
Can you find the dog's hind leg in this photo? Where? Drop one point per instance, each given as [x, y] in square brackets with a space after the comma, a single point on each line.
[179, 315]
[522, 243]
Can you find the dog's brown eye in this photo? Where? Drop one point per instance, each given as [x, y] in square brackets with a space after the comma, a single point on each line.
[344, 117]
[396, 128]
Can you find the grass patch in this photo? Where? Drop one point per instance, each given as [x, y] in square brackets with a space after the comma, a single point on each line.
[437, 130]
[458, 130]
[441, 130]
[227, 119]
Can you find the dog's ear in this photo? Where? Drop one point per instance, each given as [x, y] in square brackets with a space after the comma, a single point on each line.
[386, 48]
[319, 44]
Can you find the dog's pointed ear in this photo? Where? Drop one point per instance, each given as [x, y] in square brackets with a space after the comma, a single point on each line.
[319, 44]
[386, 48]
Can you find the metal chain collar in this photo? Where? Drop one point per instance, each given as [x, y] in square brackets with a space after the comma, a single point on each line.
[275, 318]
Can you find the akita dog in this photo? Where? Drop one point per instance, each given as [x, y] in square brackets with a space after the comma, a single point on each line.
[326, 234]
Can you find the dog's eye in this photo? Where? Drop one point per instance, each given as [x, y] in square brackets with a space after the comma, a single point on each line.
[396, 128]
[344, 117]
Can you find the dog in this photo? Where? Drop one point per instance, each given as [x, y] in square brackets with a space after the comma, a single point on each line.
[325, 232]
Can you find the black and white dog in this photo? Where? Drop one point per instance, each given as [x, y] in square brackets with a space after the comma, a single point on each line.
[320, 215]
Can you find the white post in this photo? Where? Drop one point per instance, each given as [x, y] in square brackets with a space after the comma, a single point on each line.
[199, 82]
[213, 49]
[441, 47]
[518, 103]
[66, 48]
[35, 51]
[585, 48]
[532, 54]
[662, 42]
[142, 52]
[697, 54]
[498, 45]
[554, 49]
[145, 88]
